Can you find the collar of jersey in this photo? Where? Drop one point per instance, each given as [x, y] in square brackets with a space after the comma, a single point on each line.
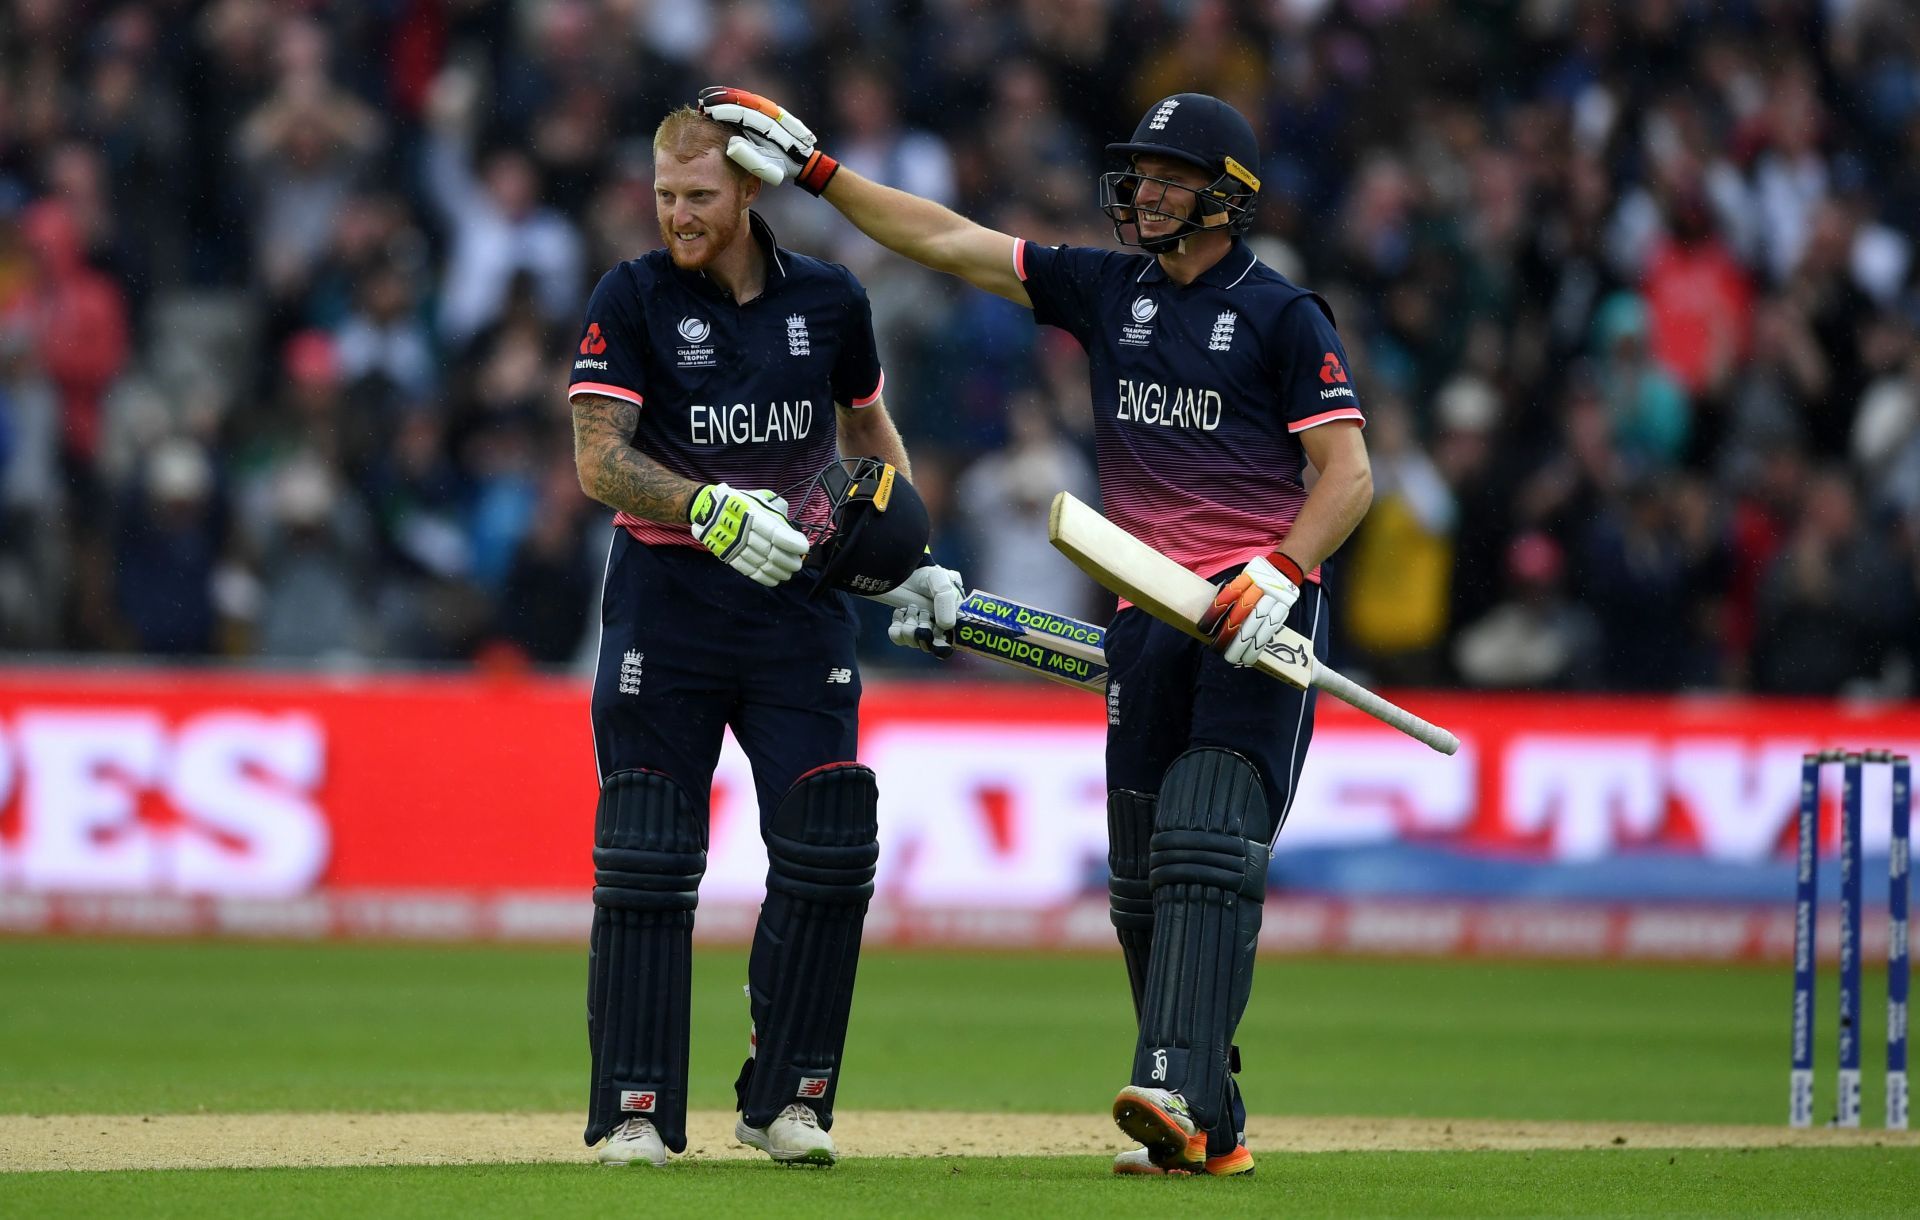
[762, 233]
[1230, 270]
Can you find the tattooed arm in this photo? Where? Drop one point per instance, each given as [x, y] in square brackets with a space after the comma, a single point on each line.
[613, 472]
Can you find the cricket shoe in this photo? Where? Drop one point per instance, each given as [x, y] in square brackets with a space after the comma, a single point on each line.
[1138, 1161]
[633, 1142]
[1159, 1119]
[794, 1137]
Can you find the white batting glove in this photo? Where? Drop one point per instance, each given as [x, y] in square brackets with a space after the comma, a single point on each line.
[774, 146]
[1250, 609]
[929, 624]
[761, 157]
[749, 532]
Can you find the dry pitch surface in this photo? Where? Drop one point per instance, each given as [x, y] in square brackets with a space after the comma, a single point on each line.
[202, 1141]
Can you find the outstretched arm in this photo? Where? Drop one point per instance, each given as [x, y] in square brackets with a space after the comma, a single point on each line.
[929, 234]
[776, 146]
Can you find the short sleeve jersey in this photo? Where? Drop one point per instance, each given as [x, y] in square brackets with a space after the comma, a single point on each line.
[729, 393]
[1200, 392]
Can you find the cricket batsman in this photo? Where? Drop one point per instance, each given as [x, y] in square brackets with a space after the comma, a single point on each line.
[711, 376]
[1215, 383]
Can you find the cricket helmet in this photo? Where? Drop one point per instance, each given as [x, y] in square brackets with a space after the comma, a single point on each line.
[868, 526]
[1205, 132]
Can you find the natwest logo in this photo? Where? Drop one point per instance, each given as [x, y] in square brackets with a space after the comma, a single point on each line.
[593, 342]
[103, 800]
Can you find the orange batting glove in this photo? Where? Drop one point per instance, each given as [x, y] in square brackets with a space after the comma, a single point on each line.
[773, 145]
[1248, 611]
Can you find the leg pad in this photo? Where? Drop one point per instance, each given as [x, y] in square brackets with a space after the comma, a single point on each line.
[649, 854]
[1207, 873]
[822, 845]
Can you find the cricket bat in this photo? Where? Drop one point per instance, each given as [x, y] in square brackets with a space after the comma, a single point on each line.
[1131, 569]
[1057, 647]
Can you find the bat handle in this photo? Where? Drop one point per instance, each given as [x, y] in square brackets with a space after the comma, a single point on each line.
[901, 598]
[1352, 693]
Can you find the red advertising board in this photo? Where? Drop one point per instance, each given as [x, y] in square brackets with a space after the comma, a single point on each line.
[168, 801]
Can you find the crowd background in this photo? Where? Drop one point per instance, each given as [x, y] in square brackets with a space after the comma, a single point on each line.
[1629, 287]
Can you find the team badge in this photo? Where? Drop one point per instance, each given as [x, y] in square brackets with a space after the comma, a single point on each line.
[1139, 332]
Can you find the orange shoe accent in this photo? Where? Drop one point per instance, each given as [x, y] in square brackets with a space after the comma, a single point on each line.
[1231, 1164]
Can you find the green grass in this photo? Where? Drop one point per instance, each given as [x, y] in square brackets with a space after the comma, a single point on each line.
[92, 1027]
[1778, 1182]
[216, 1026]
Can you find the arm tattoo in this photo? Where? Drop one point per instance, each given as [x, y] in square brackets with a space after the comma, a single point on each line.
[613, 472]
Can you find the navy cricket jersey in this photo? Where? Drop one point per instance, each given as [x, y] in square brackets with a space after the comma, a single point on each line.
[1200, 392]
[735, 394]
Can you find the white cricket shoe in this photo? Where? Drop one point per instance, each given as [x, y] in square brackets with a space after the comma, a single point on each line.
[633, 1142]
[1159, 1119]
[1135, 1161]
[794, 1137]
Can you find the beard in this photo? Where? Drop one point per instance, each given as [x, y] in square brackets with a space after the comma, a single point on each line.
[720, 232]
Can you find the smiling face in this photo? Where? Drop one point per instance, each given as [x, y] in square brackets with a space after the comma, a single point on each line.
[701, 203]
[1160, 209]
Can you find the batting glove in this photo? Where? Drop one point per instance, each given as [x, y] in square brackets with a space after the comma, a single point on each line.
[748, 531]
[773, 145]
[928, 626]
[1249, 610]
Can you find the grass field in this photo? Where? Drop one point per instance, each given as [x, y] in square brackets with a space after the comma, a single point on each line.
[167, 1029]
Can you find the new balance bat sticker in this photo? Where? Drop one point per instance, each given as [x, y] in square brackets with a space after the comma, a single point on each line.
[1057, 647]
[1133, 570]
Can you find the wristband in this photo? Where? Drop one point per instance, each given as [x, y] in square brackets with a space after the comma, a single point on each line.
[1288, 568]
[816, 173]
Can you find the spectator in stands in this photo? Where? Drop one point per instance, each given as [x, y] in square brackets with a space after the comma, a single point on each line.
[496, 225]
[1834, 600]
[1007, 495]
[1538, 638]
[312, 565]
[384, 340]
[1588, 244]
[305, 147]
[81, 321]
[169, 545]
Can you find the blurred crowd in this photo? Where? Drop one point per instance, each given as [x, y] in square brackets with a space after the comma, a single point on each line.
[1629, 286]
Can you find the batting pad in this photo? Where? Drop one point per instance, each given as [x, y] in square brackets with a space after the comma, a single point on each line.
[649, 853]
[822, 844]
[1208, 873]
[1129, 830]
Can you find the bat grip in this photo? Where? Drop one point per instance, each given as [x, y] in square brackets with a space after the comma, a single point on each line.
[901, 598]
[1353, 694]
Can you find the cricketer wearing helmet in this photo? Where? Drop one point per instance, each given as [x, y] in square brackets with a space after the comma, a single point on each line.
[710, 377]
[1215, 383]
